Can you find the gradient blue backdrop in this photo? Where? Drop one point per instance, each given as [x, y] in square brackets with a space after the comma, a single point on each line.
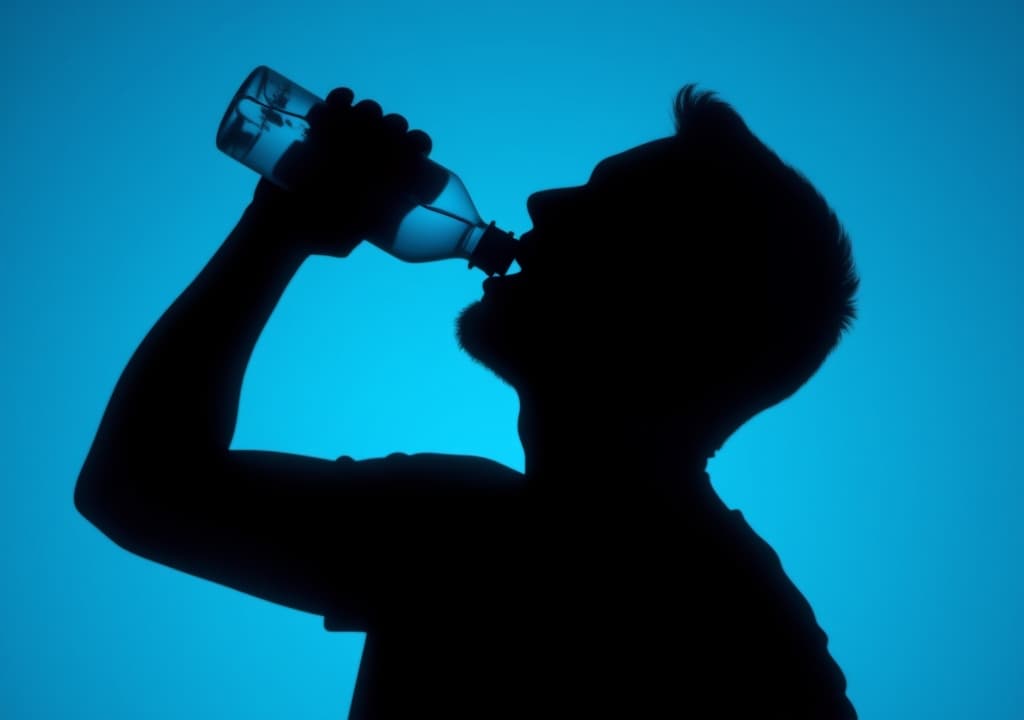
[890, 485]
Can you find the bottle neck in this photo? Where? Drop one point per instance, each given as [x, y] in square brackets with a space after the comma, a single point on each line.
[494, 251]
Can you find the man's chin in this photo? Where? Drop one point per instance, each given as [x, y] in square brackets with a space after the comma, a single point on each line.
[487, 336]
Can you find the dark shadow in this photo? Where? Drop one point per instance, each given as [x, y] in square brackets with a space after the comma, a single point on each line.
[691, 283]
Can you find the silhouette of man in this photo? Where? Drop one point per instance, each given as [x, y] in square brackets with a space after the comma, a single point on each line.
[691, 283]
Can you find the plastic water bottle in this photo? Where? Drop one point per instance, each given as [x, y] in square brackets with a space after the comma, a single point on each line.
[265, 125]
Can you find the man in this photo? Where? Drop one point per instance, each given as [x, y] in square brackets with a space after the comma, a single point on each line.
[692, 282]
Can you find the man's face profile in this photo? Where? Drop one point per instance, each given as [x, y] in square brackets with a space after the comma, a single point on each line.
[578, 265]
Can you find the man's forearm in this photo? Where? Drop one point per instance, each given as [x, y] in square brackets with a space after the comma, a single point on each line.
[180, 391]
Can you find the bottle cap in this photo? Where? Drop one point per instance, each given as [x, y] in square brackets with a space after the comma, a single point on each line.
[495, 251]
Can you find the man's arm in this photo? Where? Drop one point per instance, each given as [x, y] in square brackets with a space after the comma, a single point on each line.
[181, 388]
[327, 537]
[160, 467]
[160, 479]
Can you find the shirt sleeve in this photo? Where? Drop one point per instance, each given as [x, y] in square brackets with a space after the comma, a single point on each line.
[342, 537]
[410, 522]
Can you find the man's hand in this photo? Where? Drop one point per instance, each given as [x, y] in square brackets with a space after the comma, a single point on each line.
[350, 179]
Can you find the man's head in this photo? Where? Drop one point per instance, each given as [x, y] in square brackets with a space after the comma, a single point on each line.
[696, 278]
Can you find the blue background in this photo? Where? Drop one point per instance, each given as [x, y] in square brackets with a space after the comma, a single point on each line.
[890, 485]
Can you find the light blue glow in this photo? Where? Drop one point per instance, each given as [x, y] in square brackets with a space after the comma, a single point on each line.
[890, 485]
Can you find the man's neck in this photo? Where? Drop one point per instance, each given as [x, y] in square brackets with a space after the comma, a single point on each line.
[594, 453]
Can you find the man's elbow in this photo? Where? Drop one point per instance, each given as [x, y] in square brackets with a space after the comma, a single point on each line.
[92, 502]
[88, 498]
[105, 500]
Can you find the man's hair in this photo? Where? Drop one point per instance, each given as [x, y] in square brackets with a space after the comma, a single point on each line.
[773, 262]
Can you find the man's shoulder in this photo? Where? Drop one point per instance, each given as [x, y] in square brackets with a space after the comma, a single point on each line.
[751, 550]
[434, 472]
[766, 584]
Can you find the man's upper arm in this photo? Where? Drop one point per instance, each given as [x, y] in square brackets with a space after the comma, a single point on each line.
[317, 535]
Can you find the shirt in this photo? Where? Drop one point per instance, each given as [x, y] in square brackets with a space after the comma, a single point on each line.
[482, 597]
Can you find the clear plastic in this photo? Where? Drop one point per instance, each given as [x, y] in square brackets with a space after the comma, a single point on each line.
[267, 118]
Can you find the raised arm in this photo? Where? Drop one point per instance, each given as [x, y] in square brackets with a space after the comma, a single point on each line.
[160, 479]
[178, 396]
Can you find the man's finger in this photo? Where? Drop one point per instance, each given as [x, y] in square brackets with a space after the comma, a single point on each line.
[340, 97]
[395, 124]
[368, 110]
[418, 141]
